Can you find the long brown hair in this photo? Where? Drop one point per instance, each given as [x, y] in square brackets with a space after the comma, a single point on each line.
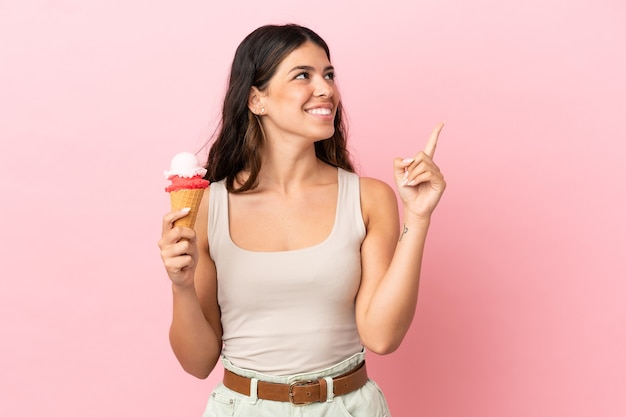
[239, 142]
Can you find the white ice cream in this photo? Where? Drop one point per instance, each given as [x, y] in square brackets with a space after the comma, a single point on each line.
[185, 165]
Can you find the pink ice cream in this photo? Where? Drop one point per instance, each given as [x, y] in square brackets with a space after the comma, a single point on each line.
[187, 186]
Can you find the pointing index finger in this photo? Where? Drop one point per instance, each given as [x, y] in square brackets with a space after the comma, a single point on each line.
[432, 140]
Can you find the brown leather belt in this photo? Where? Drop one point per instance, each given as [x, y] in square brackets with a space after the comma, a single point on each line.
[299, 392]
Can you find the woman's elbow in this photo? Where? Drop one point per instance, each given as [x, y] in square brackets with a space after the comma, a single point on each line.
[200, 367]
[200, 373]
[383, 346]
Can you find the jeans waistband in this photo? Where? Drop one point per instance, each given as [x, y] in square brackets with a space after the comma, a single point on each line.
[334, 370]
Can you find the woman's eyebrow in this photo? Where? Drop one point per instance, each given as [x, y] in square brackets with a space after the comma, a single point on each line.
[309, 68]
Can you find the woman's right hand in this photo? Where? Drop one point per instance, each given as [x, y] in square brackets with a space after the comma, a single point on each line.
[179, 250]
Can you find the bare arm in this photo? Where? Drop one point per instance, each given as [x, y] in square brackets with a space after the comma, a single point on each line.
[195, 332]
[392, 259]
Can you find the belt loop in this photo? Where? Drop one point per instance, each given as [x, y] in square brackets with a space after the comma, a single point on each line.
[254, 395]
[330, 390]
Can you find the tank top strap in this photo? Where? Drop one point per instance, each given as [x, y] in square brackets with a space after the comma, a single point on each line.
[218, 232]
[349, 213]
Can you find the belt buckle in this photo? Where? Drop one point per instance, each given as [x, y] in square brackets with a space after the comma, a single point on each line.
[291, 394]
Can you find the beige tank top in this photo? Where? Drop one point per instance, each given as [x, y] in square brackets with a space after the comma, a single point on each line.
[293, 311]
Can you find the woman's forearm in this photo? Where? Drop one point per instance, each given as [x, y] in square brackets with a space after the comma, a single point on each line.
[193, 340]
[393, 304]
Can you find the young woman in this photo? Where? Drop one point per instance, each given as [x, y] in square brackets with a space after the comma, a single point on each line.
[296, 264]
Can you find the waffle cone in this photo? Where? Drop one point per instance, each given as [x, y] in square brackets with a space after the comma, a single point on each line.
[186, 198]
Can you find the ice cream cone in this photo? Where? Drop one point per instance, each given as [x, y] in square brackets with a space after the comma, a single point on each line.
[187, 186]
[181, 199]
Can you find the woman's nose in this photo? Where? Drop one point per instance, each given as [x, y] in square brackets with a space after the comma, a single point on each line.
[324, 87]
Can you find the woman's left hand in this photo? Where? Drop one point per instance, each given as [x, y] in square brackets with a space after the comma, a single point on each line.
[419, 181]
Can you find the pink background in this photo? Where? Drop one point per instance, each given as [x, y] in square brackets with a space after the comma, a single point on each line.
[521, 308]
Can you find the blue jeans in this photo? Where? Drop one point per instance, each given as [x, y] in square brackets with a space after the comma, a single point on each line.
[367, 401]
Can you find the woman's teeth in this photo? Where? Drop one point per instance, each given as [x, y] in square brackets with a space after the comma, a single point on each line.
[320, 111]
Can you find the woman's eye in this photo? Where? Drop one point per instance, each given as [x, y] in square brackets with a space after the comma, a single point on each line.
[330, 76]
[303, 76]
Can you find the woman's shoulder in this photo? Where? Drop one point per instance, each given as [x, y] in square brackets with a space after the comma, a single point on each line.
[373, 187]
[377, 198]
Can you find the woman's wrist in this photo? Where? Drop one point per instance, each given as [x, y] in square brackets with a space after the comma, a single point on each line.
[415, 220]
[187, 288]
[413, 226]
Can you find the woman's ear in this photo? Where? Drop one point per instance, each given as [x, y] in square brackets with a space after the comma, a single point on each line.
[255, 101]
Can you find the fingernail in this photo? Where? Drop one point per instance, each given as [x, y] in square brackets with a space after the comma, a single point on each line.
[186, 210]
[403, 181]
[408, 160]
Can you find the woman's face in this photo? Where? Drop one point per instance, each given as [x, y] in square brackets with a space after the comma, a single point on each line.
[301, 99]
